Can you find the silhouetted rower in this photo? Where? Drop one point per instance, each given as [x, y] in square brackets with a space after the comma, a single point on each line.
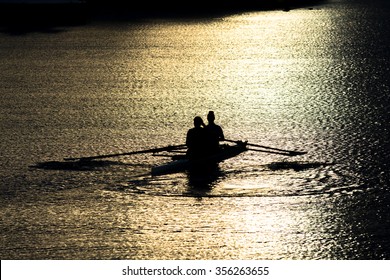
[196, 139]
[214, 133]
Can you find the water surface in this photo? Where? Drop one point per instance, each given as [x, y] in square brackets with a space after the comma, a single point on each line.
[313, 79]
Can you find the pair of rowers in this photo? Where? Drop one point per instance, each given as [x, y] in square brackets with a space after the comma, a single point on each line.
[202, 139]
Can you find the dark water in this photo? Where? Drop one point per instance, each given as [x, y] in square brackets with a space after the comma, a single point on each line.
[313, 79]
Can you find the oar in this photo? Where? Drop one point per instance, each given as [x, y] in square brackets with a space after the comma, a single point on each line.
[290, 153]
[155, 150]
[281, 151]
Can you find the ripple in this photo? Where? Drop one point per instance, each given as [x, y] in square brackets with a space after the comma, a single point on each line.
[277, 179]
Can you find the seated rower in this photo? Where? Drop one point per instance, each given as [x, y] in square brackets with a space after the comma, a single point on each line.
[214, 134]
[196, 139]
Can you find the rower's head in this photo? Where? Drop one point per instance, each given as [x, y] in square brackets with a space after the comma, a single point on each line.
[211, 117]
[198, 122]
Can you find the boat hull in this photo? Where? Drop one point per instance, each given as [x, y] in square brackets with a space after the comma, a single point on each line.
[184, 163]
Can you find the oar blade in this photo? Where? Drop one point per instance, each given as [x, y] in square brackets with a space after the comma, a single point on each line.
[297, 153]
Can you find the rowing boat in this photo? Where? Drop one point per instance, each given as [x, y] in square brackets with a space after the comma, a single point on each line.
[182, 163]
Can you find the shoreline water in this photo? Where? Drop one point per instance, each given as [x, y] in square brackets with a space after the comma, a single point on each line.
[75, 13]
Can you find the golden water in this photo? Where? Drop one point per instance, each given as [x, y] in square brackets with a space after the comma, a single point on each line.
[308, 79]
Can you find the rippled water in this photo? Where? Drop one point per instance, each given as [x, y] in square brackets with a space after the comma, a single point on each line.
[313, 79]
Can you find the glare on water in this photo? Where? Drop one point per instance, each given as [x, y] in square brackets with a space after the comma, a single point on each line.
[273, 78]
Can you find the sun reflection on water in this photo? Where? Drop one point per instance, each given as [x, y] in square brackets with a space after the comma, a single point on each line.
[284, 80]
